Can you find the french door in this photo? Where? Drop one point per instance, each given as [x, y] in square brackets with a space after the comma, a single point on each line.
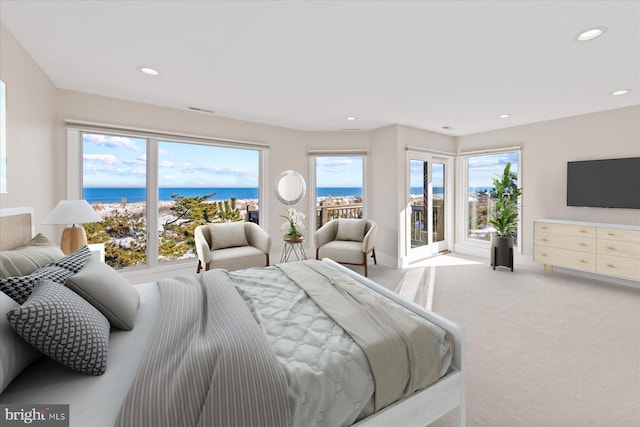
[428, 211]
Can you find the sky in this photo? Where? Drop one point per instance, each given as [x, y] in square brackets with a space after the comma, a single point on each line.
[482, 169]
[339, 171]
[115, 161]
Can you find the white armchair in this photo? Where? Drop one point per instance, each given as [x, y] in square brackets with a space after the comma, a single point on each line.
[232, 246]
[347, 241]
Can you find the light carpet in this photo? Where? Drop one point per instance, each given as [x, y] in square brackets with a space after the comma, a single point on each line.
[560, 350]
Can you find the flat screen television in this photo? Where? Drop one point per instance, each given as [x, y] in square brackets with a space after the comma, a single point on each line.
[608, 183]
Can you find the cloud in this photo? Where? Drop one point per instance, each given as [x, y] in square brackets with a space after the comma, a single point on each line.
[112, 141]
[108, 159]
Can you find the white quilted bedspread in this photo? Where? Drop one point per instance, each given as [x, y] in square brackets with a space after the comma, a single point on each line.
[308, 342]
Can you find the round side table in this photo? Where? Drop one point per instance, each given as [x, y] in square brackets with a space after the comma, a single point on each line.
[295, 247]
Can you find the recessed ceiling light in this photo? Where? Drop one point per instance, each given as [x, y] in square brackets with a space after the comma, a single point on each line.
[351, 118]
[621, 92]
[448, 128]
[504, 116]
[591, 34]
[150, 71]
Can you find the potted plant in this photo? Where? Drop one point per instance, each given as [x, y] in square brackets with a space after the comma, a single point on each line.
[504, 218]
[293, 225]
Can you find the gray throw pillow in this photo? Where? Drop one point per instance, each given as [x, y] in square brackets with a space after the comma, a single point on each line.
[62, 325]
[19, 287]
[107, 291]
[27, 258]
[15, 354]
[227, 235]
[351, 229]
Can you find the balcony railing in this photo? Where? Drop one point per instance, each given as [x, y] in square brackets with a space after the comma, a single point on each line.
[325, 214]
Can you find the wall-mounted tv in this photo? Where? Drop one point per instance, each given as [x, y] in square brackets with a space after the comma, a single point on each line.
[608, 183]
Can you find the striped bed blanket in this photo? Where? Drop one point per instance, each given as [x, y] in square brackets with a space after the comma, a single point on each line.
[197, 372]
[221, 353]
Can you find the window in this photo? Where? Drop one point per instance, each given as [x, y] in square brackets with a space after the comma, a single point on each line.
[339, 187]
[481, 170]
[198, 184]
[114, 183]
[133, 181]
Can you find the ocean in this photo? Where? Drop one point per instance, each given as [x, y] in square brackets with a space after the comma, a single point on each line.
[131, 195]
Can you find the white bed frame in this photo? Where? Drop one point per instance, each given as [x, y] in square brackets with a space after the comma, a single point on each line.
[426, 406]
[423, 407]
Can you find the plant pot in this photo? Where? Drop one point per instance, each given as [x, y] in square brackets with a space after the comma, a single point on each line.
[502, 252]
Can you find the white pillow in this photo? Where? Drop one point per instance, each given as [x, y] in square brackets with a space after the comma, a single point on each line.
[15, 353]
[227, 235]
[351, 229]
[107, 291]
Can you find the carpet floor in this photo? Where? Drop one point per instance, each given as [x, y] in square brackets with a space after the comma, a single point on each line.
[561, 350]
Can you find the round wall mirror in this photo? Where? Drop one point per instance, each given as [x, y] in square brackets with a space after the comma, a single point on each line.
[290, 187]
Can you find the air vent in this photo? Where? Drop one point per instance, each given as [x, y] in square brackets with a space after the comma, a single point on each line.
[201, 110]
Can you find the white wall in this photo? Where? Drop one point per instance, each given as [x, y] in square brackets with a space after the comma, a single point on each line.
[34, 155]
[546, 149]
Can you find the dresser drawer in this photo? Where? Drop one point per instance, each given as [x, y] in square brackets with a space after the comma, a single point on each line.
[564, 258]
[627, 268]
[619, 234]
[566, 229]
[563, 241]
[619, 248]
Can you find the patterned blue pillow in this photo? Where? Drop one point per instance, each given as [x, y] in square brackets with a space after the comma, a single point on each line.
[19, 287]
[65, 327]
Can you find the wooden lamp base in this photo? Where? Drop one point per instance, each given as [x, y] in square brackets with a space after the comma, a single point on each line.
[73, 238]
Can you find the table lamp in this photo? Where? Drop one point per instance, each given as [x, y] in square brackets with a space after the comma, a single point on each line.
[76, 213]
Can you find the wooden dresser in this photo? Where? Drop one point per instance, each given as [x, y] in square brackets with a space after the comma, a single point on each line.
[609, 249]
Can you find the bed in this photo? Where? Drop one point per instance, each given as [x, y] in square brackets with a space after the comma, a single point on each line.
[299, 349]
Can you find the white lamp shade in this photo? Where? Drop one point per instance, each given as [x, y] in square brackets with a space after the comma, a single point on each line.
[72, 212]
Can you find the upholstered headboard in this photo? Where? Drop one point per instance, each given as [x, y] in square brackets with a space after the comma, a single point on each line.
[17, 226]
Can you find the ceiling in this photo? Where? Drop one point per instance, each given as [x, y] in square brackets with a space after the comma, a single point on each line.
[309, 64]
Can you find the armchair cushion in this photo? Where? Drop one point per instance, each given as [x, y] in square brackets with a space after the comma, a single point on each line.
[345, 251]
[351, 229]
[227, 235]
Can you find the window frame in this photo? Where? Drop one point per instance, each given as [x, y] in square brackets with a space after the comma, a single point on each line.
[75, 131]
[463, 194]
[313, 155]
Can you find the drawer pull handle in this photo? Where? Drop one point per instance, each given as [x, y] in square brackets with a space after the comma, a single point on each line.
[583, 261]
[583, 231]
[543, 254]
[611, 248]
[544, 227]
[545, 240]
[583, 244]
[611, 266]
[611, 234]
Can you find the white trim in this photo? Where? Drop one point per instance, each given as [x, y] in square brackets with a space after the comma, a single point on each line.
[74, 164]
[490, 151]
[339, 152]
[151, 133]
[430, 151]
[152, 203]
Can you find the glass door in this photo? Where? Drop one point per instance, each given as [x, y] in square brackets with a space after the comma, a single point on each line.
[426, 210]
